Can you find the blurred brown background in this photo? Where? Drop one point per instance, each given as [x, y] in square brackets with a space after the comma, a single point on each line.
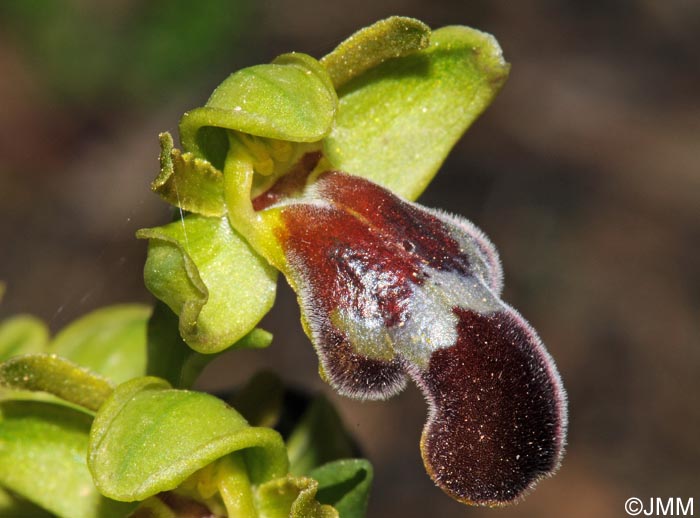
[585, 173]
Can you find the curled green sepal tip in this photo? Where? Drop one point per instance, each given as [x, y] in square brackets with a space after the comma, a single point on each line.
[209, 277]
[149, 438]
[389, 38]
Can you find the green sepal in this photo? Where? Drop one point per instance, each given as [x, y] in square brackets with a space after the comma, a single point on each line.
[110, 341]
[211, 278]
[319, 437]
[22, 334]
[291, 497]
[345, 484]
[149, 438]
[187, 182]
[42, 459]
[55, 375]
[397, 122]
[392, 37]
[290, 99]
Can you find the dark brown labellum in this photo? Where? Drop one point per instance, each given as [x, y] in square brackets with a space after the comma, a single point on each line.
[390, 289]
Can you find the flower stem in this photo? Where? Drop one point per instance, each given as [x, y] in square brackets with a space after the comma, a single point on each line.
[235, 487]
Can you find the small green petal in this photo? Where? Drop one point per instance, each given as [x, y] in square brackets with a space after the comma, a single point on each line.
[22, 334]
[397, 122]
[290, 99]
[345, 484]
[187, 182]
[392, 37]
[149, 438]
[42, 458]
[211, 278]
[110, 341]
[57, 376]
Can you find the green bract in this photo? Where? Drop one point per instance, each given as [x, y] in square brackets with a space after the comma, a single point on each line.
[12, 506]
[171, 434]
[206, 451]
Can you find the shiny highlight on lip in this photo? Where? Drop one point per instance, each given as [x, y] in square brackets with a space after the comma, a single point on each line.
[390, 290]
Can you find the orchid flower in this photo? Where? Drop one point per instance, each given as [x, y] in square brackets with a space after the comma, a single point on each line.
[309, 167]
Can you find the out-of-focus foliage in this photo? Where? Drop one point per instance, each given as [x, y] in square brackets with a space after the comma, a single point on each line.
[22, 334]
[135, 49]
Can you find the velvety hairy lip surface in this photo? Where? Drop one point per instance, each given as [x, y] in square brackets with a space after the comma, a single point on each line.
[495, 425]
[391, 290]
